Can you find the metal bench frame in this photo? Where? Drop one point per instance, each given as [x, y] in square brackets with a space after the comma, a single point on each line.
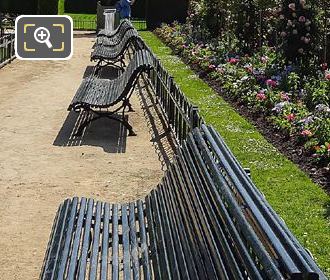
[140, 63]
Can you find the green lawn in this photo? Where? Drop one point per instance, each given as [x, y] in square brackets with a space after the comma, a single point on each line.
[303, 205]
[83, 21]
[82, 17]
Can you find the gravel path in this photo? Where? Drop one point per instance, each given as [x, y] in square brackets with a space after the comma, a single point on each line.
[41, 163]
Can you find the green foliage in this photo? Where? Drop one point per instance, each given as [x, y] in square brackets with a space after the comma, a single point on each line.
[19, 6]
[47, 7]
[246, 18]
[298, 30]
[80, 6]
[60, 7]
[317, 92]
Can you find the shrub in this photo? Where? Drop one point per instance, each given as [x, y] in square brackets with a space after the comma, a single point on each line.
[298, 30]
[246, 19]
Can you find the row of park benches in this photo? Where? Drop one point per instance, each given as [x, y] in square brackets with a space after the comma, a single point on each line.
[204, 220]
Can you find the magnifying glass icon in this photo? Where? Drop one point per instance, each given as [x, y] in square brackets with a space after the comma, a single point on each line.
[42, 35]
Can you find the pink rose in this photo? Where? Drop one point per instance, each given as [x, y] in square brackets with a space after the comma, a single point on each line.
[302, 19]
[291, 117]
[233, 60]
[249, 69]
[264, 59]
[327, 76]
[271, 83]
[306, 133]
[324, 66]
[261, 96]
[284, 96]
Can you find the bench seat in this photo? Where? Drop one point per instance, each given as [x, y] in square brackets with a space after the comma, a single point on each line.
[193, 225]
[95, 238]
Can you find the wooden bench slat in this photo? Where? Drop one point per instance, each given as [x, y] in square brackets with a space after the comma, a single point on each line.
[154, 255]
[159, 237]
[234, 210]
[196, 232]
[96, 242]
[208, 219]
[220, 208]
[191, 231]
[292, 251]
[169, 240]
[182, 249]
[76, 242]
[105, 241]
[144, 242]
[116, 40]
[115, 242]
[126, 242]
[134, 241]
[67, 245]
[54, 245]
[86, 240]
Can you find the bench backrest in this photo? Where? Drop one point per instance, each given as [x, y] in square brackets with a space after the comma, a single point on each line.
[284, 249]
[113, 91]
[105, 41]
[203, 227]
[128, 40]
[122, 27]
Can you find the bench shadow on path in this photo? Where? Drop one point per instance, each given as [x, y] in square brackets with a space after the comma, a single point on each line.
[107, 134]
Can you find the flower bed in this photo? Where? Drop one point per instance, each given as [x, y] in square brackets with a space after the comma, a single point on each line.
[265, 84]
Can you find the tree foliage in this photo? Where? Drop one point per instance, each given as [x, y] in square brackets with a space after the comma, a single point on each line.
[298, 30]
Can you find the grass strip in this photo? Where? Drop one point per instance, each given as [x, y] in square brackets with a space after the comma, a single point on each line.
[303, 205]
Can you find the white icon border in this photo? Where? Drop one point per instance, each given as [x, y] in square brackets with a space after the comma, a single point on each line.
[48, 58]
